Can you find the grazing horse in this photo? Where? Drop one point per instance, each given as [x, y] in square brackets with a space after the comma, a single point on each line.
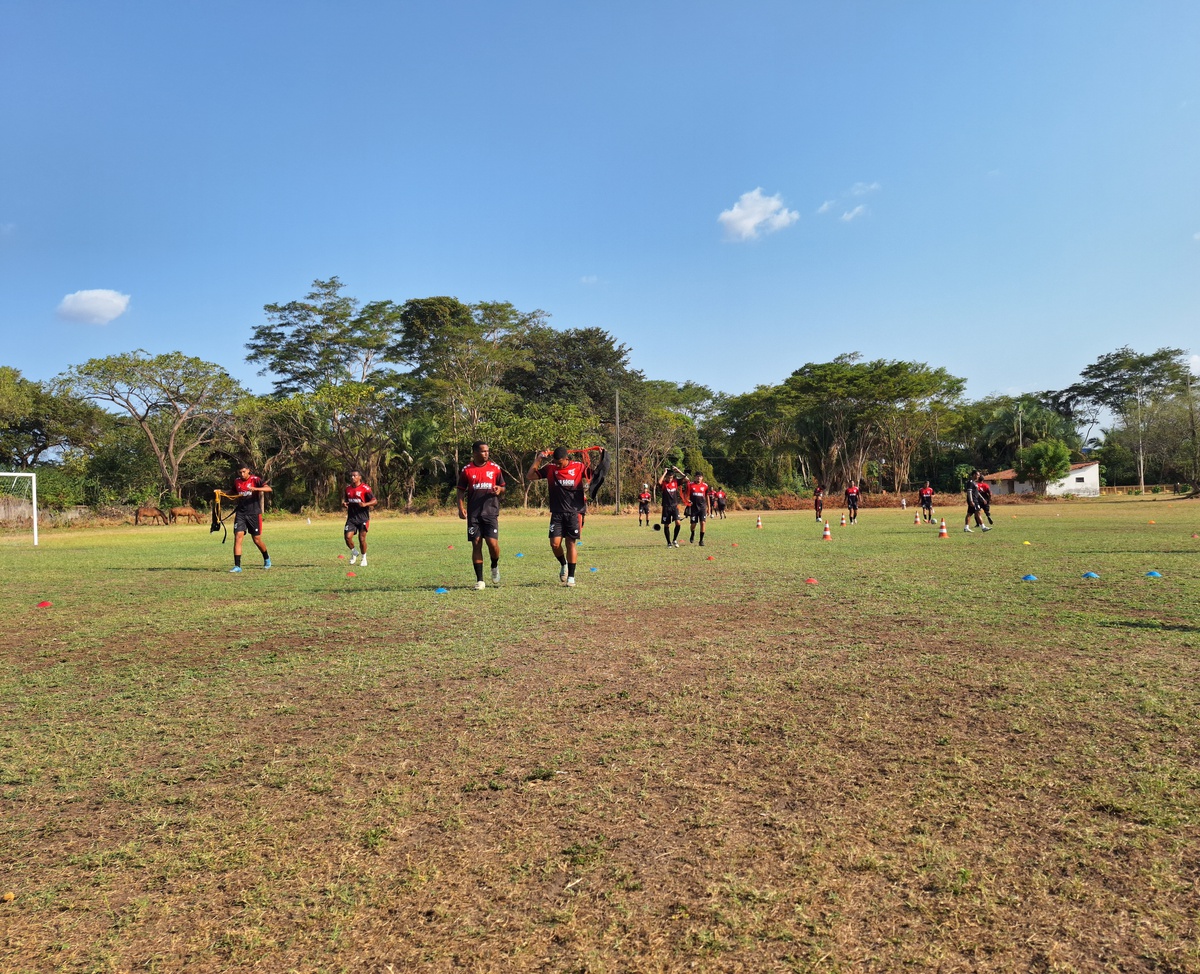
[187, 513]
[149, 514]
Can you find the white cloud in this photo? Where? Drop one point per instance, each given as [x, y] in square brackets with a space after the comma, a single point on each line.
[1194, 365]
[826, 206]
[854, 214]
[753, 214]
[862, 189]
[97, 307]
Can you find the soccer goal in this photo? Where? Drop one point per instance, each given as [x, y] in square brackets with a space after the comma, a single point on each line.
[18, 500]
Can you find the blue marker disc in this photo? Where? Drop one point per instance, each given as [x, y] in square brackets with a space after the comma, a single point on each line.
[441, 591]
[1153, 575]
[1028, 578]
[1090, 575]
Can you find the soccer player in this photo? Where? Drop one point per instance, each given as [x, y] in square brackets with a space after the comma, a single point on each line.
[568, 480]
[669, 492]
[358, 500]
[481, 483]
[719, 497]
[852, 502]
[644, 505]
[697, 498]
[985, 498]
[974, 504]
[818, 499]
[926, 496]
[247, 516]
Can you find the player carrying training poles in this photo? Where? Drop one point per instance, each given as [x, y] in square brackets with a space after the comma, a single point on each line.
[669, 493]
[697, 499]
[481, 483]
[568, 480]
[358, 500]
[247, 517]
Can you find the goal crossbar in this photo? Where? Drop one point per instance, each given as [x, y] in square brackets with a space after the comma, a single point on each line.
[32, 478]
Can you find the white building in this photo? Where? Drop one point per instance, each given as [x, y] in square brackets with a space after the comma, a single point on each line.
[1083, 480]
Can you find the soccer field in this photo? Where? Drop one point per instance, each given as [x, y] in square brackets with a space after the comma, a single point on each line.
[693, 760]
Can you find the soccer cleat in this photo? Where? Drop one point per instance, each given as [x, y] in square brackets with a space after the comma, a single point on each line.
[353, 556]
[701, 542]
[570, 582]
[235, 569]
[495, 576]
[481, 584]
[562, 573]
[986, 528]
[967, 528]
[266, 564]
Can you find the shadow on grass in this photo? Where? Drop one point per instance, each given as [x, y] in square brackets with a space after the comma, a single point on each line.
[1143, 624]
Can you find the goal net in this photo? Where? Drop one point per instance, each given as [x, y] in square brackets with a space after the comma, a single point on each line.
[18, 502]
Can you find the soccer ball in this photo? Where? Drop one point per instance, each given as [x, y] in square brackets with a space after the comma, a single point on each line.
[657, 527]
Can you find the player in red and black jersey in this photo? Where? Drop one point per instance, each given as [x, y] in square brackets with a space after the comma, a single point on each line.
[568, 480]
[852, 502]
[481, 484]
[247, 516]
[719, 497]
[975, 503]
[669, 493]
[818, 499]
[696, 495]
[926, 497]
[358, 500]
[644, 499]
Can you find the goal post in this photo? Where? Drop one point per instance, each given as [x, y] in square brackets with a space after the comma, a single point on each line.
[18, 498]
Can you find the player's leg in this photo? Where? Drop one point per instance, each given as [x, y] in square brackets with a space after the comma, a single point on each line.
[477, 557]
[678, 525]
[493, 545]
[556, 546]
[237, 550]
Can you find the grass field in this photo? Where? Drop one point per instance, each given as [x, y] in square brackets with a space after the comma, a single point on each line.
[920, 763]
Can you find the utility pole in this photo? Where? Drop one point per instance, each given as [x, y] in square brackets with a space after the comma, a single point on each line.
[617, 453]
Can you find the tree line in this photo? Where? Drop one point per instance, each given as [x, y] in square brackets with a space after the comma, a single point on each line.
[400, 390]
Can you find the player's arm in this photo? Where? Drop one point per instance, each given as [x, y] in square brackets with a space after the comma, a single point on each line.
[371, 500]
[262, 488]
[534, 472]
[462, 511]
[499, 487]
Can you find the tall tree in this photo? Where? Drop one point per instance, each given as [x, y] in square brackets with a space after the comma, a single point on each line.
[326, 339]
[1130, 384]
[180, 403]
[37, 421]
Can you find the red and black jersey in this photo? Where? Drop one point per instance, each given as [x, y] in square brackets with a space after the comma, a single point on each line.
[697, 496]
[644, 497]
[248, 500]
[926, 495]
[480, 481]
[852, 494]
[670, 495]
[720, 496]
[356, 497]
[567, 484]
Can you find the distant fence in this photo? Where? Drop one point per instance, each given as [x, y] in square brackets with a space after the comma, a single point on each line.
[1150, 489]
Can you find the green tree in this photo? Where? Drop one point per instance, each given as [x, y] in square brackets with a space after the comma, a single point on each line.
[417, 443]
[516, 437]
[37, 421]
[1043, 462]
[327, 339]
[180, 403]
[1130, 385]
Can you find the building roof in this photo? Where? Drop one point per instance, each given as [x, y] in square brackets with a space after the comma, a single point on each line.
[1012, 474]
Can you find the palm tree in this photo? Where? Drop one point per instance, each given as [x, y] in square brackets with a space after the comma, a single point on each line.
[417, 447]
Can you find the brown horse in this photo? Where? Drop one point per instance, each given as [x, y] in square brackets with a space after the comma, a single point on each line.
[149, 514]
[187, 513]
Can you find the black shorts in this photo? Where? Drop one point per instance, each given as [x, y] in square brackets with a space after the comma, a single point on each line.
[643, 507]
[483, 526]
[670, 515]
[720, 506]
[247, 522]
[699, 514]
[564, 526]
[852, 503]
[357, 521]
[927, 503]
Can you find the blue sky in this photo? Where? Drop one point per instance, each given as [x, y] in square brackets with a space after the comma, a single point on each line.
[1006, 190]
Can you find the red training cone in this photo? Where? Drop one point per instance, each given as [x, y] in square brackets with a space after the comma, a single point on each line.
[843, 520]
[827, 536]
[942, 532]
[759, 524]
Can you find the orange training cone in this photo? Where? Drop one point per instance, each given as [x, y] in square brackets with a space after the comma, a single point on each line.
[843, 520]
[942, 532]
[759, 524]
[916, 519]
[827, 536]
